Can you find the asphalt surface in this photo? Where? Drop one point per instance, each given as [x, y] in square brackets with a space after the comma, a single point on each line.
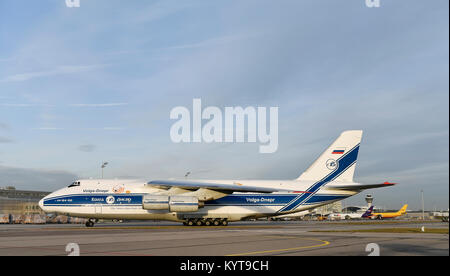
[259, 238]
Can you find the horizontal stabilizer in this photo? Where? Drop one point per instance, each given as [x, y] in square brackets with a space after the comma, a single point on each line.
[357, 186]
[193, 185]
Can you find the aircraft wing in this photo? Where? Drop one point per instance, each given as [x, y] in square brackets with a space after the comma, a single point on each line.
[194, 185]
[357, 186]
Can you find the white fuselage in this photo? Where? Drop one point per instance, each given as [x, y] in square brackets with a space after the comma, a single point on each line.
[328, 179]
[122, 199]
[338, 216]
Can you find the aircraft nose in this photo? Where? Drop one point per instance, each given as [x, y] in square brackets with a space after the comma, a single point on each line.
[41, 204]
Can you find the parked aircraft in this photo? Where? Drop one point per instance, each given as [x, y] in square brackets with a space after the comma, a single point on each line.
[400, 212]
[365, 215]
[216, 202]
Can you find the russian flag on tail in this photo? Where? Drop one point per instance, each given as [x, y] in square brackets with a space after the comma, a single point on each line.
[338, 151]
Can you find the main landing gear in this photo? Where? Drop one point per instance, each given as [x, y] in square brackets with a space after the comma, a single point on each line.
[206, 222]
[90, 223]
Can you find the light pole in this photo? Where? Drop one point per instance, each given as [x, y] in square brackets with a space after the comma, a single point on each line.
[423, 206]
[103, 166]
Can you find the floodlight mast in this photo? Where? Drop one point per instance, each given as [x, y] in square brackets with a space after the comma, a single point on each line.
[103, 166]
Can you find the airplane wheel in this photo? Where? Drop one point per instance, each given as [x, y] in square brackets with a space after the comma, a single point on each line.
[199, 222]
[224, 222]
[216, 222]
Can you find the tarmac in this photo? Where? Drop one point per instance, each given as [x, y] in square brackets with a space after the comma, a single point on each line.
[249, 238]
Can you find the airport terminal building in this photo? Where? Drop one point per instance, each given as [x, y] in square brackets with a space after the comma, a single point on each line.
[20, 202]
[18, 206]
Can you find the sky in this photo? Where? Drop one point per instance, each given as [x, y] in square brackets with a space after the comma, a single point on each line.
[82, 86]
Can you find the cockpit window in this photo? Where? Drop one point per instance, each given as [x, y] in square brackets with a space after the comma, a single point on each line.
[74, 184]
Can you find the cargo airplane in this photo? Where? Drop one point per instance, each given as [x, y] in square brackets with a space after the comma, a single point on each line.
[216, 202]
[400, 212]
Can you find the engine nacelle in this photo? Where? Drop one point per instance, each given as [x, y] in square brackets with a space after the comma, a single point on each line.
[170, 203]
[183, 204]
[155, 202]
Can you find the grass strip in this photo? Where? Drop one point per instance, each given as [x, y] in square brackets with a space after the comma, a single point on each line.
[392, 230]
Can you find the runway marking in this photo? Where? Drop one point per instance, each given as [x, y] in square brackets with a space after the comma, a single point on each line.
[323, 243]
[281, 231]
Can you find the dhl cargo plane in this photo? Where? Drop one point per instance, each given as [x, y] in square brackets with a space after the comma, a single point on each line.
[400, 212]
[216, 202]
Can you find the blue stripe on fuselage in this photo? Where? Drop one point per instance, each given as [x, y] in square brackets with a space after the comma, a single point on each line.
[255, 199]
[343, 164]
[71, 200]
[230, 200]
[323, 198]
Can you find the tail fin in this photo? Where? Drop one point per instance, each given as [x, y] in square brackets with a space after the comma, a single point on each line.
[340, 157]
[403, 210]
[368, 213]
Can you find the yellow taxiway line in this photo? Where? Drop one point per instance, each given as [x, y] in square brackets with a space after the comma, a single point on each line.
[323, 243]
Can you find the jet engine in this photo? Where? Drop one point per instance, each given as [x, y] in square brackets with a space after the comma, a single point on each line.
[171, 203]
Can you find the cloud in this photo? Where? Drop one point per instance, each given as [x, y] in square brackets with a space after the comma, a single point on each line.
[6, 59]
[4, 126]
[216, 41]
[113, 128]
[35, 179]
[79, 129]
[72, 105]
[159, 10]
[99, 105]
[4, 140]
[47, 128]
[60, 70]
[25, 105]
[87, 148]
